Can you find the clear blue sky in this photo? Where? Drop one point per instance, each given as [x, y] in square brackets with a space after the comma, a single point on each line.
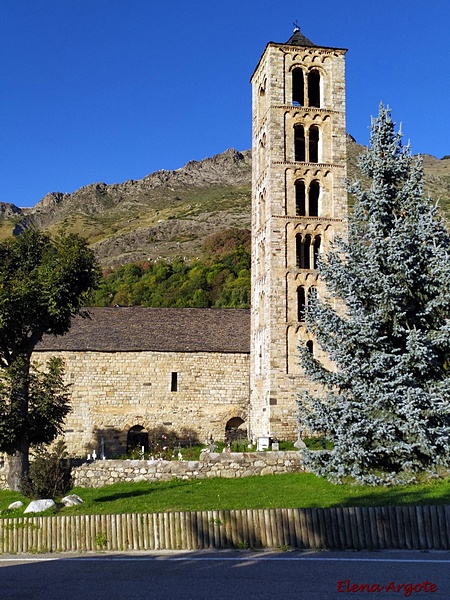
[110, 90]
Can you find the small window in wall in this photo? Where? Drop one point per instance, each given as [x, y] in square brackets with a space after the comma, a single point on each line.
[298, 87]
[300, 203]
[314, 144]
[314, 88]
[174, 382]
[310, 346]
[301, 303]
[299, 143]
[313, 198]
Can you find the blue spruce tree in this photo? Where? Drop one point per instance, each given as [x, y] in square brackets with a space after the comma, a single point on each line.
[384, 323]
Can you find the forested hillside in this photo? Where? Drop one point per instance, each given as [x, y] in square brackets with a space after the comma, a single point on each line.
[176, 238]
[219, 278]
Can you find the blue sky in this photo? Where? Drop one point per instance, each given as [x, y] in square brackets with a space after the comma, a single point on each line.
[110, 90]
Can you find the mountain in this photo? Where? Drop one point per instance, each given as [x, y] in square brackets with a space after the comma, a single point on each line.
[169, 213]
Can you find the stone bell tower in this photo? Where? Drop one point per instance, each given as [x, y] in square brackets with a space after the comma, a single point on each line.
[299, 203]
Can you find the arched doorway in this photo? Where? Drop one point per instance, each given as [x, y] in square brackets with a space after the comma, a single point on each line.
[235, 430]
[136, 438]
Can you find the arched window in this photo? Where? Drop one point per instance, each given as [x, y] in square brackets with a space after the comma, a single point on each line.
[262, 152]
[300, 200]
[303, 251]
[299, 143]
[299, 250]
[314, 88]
[316, 250]
[301, 303]
[313, 198]
[310, 346]
[314, 144]
[137, 437]
[262, 88]
[261, 310]
[307, 253]
[262, 209]
[298, 87]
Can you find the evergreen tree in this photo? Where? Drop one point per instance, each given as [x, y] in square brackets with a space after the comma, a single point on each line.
[384, 323]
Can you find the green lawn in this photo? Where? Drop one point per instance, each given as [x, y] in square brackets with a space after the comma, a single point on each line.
[271, 491]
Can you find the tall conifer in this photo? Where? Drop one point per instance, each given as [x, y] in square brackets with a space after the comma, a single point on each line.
[384, 323]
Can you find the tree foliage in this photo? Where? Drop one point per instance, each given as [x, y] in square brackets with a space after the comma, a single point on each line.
[50, 474]
[43, 283]
[48, 404]
[385, 326]
[219, 279]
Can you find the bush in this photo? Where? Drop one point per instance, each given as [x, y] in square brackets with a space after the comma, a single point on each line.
[50, 474]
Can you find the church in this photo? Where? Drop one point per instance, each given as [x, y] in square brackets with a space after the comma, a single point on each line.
[205, 372]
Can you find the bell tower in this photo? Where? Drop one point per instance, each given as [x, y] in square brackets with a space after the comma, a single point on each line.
[299, 203]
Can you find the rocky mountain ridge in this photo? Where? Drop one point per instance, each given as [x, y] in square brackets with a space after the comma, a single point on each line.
[169, 213]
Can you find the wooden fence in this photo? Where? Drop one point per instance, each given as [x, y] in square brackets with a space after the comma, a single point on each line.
[403, 527]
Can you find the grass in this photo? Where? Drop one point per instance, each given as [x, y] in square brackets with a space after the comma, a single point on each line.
[272, 491]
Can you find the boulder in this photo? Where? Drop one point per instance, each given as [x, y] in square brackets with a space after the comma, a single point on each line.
[72, 500]
[17, 504]
[37, 506]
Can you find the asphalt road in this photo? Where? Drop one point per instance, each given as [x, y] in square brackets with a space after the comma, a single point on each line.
[227, 575]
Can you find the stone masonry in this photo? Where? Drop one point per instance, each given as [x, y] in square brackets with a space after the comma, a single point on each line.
[235, 464]
[299, 204]
[112, 392]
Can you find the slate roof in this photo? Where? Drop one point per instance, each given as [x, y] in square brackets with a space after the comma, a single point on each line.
[134, 329]
[298, 39]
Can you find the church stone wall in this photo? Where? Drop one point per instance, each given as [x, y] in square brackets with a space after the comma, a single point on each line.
[114, 391]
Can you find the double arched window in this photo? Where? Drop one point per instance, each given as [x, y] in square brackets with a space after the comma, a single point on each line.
[308, 87]
[306, 143]
[307, 203]
[303, 297]
[307, 251]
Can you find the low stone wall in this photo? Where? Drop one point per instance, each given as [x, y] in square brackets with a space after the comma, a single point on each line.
[3, 477]
[235, 464]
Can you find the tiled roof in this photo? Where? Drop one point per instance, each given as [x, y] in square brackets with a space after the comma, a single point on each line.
[134, 329]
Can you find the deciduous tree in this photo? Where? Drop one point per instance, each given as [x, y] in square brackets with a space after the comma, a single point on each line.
[42, 285]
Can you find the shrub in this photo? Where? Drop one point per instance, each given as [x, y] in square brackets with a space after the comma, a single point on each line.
[50, 474]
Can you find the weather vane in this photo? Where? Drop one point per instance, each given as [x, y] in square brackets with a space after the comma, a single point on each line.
[296, 25]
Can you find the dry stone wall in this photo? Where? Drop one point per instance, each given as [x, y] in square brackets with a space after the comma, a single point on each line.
[232, 465]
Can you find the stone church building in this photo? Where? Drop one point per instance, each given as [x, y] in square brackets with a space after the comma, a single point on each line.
[212, 370]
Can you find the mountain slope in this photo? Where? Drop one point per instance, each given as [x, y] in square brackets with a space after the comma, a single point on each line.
[169, 213]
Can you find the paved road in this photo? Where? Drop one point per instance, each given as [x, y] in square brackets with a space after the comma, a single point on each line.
[227, 575]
